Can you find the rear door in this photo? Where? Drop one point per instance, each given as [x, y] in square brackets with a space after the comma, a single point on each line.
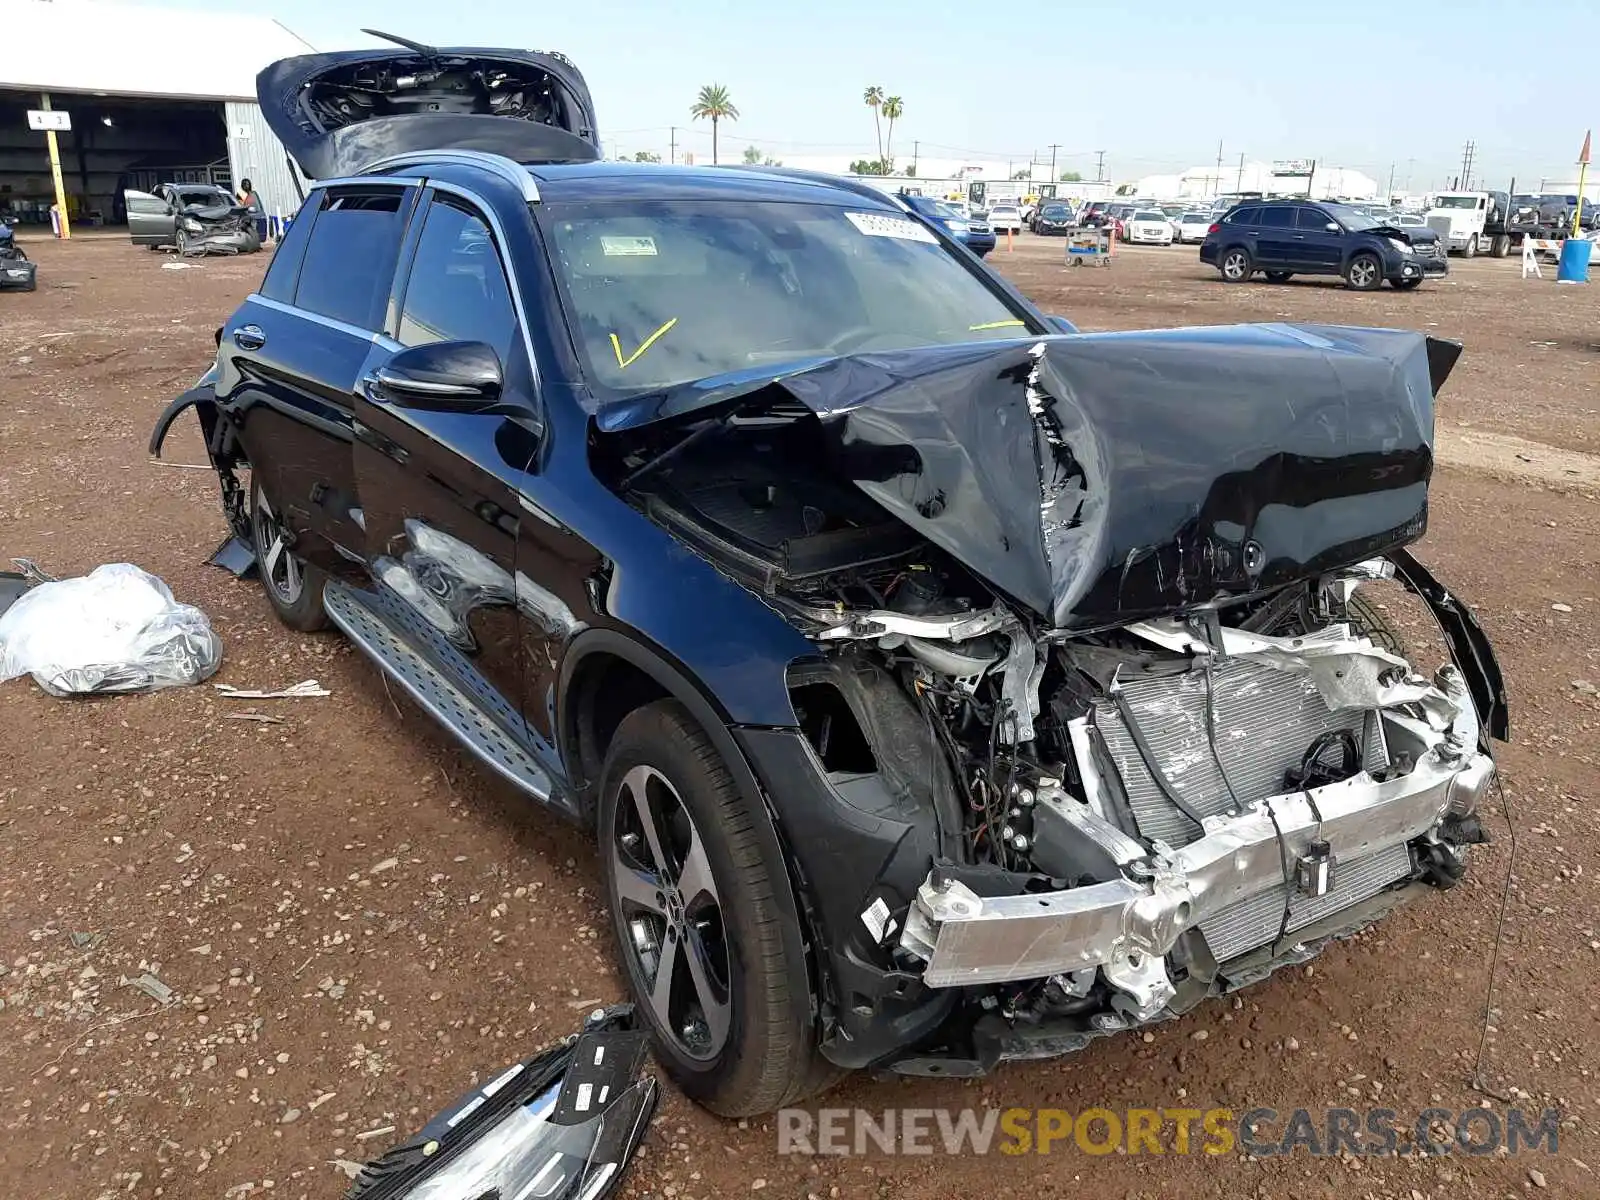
[151, 220]
[1321, 240]
[1276, 248]
[292, 355]
[438, 487]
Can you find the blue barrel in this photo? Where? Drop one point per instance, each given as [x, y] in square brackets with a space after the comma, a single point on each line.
[1574, 265]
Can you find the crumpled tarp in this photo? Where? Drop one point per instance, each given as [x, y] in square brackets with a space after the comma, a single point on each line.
[116, 629]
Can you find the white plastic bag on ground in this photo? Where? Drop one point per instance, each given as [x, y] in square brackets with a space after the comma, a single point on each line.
[116, 629]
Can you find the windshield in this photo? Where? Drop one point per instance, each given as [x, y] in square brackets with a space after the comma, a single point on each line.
[1196, 218]
[202, 195]
[664, 293]
[1456, 201]
[1352, 219]
[1055, 210]
[948, 211]
[1004, 208]
[1149, 214]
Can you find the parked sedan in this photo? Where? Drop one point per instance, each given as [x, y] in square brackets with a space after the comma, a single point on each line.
[1052, 218]
[971, 232]
[1147, 226]
[1192, 225]
[1005, 217]
[192, 218]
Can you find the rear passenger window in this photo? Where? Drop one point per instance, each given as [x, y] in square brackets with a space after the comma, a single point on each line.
[1275, 216]
[285, 265]
[457, 288]
[1244, 216]
[349, 262]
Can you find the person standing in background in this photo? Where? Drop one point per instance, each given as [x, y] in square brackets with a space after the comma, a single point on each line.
[249, 200]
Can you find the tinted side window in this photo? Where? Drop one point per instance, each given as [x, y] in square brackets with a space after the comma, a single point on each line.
[349, 261]
[1314, 218]
[457, 290]
[1276, 216]
[1244, 216]
[284, 269]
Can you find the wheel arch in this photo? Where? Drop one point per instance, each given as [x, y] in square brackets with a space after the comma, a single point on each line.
[643, 675]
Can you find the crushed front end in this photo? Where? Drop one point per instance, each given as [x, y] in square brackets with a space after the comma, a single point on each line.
[1103, 719]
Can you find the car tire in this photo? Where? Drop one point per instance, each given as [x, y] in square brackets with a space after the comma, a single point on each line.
[1408, 285]
[1500, 247]
[1235, 265]
[736, 1035]
[180, 241]
[293, 586]
[1370, 621]
[1364, 272]
[1470, 250]
[1279, 276]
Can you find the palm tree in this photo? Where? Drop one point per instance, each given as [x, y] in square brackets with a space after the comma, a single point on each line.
[714, 103]
[873, 97]
[893, 107]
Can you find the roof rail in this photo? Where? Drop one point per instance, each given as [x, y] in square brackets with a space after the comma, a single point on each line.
[508, 169]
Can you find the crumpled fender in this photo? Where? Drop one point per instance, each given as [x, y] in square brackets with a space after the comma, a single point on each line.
[204, 395]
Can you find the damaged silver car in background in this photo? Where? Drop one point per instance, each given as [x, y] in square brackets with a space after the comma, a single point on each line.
[191, 218]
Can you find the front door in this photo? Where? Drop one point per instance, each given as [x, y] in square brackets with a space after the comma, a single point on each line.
[152, 220]
[438, 487]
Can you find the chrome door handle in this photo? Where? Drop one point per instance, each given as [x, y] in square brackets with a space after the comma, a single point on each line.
[249, 337]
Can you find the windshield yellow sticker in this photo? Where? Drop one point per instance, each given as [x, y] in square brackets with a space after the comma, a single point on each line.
[616, 344]
[884, 225]
[613, 246]
[994, 325]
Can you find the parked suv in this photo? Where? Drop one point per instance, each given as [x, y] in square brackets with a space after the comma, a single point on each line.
[744, 518]
[1283, 238]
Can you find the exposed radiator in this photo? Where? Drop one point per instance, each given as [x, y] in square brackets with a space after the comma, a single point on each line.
[1266, 720]
[1255, 922]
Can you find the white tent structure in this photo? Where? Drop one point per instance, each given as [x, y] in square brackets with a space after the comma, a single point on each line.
[149, 91]
[1201, 183]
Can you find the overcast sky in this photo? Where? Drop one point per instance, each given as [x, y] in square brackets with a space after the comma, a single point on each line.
[1351, 83]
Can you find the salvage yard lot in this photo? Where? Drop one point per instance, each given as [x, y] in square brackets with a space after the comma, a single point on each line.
[355, 919]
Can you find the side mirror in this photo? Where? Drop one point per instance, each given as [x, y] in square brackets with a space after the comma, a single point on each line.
[1332, 227]
[441, 376]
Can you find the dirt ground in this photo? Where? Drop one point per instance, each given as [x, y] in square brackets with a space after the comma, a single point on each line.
[357, 922]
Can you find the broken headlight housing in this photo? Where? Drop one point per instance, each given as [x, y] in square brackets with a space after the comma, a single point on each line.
[560, 1126]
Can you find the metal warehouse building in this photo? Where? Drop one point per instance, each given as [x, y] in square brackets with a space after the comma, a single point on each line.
[154, 96]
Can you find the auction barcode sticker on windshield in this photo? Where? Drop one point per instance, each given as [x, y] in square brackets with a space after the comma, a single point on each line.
[880, 225]
[612, 245]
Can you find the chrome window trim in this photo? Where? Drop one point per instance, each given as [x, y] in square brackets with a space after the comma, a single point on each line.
[368, 181]
[507, 169]
[370, 335]
[492, 219]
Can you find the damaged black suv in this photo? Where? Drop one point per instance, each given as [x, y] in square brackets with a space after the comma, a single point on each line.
[943, 686]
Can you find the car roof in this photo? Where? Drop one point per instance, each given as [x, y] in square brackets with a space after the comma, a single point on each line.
[566, 182]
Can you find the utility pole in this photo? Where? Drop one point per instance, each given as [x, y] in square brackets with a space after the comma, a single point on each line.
[1100, 166]
[672, 152]
[1054, 146]
[1389, 195]
[1218, 181]
[1466, 166]
[1238, 183]
[916, 154]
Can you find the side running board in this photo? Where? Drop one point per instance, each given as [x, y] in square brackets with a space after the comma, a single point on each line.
[445, 702]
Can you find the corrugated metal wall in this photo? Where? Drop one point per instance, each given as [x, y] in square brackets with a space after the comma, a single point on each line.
[255, 154]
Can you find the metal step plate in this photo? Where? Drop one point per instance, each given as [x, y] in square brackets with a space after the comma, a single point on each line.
[351, 611]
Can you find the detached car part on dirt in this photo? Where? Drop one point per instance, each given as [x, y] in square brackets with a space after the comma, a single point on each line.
[944, 688]
[17, 270]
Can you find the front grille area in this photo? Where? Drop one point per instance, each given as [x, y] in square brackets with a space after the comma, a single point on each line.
[1256, 921]
[1266, 719]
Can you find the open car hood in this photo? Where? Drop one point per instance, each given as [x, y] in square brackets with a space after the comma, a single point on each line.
[338, 113]
[1104, 478]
